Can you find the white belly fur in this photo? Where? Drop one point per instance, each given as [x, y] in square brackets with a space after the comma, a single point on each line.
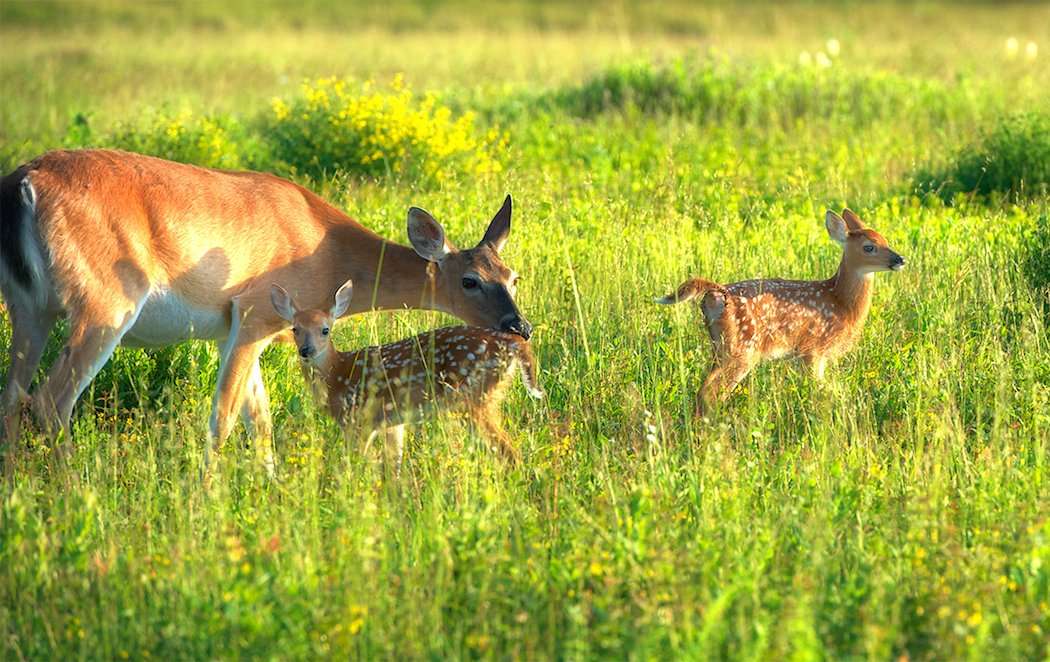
[166, 319]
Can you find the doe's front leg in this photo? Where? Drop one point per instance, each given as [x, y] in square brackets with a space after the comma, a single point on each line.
[231, 392]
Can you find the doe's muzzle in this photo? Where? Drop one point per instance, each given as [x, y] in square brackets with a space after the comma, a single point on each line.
[516, 324]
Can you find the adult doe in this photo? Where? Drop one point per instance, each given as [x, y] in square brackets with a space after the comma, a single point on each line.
[142, 251]
[380, 389]
[814, 320]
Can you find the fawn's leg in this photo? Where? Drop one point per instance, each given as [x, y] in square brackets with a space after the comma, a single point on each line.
[721, 381]
[488, 420]
[394, 448]
[816, 365]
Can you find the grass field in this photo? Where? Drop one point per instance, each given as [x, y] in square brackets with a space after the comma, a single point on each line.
[900, 511]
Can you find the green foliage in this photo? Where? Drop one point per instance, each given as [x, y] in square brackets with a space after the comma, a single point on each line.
[184, 136]
[717, 89]
[332, 127]
[1012, 158]
[337, 126]
[898, 510]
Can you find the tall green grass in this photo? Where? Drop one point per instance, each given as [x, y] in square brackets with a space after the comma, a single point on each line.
[1011, 158]
[898, 510]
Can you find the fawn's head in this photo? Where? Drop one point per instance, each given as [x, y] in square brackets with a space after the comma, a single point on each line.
[472, 284]
[863, 249]
[312, 328]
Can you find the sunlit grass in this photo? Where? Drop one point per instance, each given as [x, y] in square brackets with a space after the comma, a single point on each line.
[899, 509]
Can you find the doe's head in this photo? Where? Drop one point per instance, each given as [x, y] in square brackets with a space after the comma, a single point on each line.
[312, 328]
[864, 249]
[473, 284]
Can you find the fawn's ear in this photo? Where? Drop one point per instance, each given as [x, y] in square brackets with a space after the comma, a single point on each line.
[853, 221]
[342, 299]
[499, 227]
[837, 229]
[282, 302]
[427, 236]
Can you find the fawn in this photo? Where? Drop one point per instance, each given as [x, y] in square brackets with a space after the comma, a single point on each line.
[815, 320]
[381, 389]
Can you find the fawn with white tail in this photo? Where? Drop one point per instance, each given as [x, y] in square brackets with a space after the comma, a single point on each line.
[814, 320]
[380, 389]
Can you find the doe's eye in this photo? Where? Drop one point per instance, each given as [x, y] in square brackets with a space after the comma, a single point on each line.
[470, 283]
[324, 331]
[869, 249]
[295, 329]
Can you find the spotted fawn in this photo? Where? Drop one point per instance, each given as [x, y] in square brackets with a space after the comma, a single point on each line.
[381, 389]
[814, 320]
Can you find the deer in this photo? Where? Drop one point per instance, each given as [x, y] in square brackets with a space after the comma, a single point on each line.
[817, 321]
[146, 252]
[381, 389]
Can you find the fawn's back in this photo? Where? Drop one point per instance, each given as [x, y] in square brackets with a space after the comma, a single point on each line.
[774, 318]
[448, 368]
[816, 320]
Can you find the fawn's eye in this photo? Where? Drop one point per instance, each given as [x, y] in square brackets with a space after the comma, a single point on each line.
[869, 249]
[470, 283]
[295, 329]
[324, 331]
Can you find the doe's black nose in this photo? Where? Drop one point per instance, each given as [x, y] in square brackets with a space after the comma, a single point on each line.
[517, 325]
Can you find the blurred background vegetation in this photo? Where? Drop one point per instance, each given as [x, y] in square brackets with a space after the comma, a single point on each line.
[899, 512]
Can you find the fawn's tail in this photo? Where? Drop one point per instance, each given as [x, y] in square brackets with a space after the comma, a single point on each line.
[528, 371]
[694, 288]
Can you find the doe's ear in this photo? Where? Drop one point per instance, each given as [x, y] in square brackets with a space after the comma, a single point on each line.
[282, 302]
[837, 229]
[499, 227]
[853, 221]
[427, 236]
[342, 299]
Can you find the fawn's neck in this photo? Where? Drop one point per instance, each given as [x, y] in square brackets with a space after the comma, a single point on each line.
[319, 374]
[852, 290]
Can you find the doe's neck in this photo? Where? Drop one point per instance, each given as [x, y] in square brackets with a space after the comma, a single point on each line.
[394, 277]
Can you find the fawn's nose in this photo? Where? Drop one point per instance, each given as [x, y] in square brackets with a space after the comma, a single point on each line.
[516, 324]
[306, 351]
[897, 262]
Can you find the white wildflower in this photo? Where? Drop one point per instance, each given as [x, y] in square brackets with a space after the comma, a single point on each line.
[1012, 46]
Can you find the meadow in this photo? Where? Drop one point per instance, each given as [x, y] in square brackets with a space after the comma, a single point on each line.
[899, 511]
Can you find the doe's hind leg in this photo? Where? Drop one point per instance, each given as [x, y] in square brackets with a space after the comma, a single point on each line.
[29, 331]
